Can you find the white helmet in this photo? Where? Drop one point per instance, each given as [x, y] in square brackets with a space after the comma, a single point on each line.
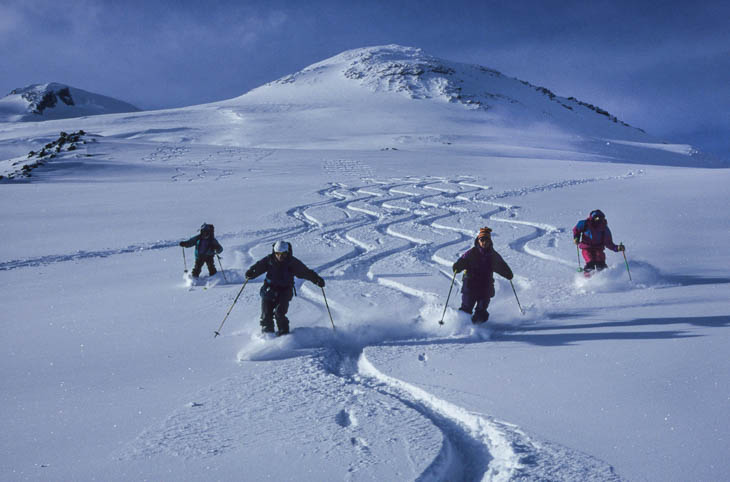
[281, 247]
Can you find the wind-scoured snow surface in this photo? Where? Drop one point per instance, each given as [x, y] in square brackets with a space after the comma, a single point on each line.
[111, 370]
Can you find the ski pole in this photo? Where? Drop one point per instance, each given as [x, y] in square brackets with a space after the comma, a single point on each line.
[577, 249]
[217, 332]
[626, 261]
[328, 310]
[447, 299]
[185, 262]
[222, 271]
[518, 300]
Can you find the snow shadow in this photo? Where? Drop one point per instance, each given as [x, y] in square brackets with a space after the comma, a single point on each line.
[643, 275]
[529, 335]
[690, 280]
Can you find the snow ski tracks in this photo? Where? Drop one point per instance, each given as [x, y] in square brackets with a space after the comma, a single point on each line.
[385, 240]
[83, 255]
[377, 243]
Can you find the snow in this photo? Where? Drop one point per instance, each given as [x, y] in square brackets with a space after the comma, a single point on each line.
[111, 369]
[52, 100]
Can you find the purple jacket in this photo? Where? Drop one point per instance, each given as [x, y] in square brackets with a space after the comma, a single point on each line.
[593, 235]
[480, 265]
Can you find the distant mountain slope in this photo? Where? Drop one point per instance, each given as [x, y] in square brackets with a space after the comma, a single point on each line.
[40, 102]
[411, 73]
[379, 99]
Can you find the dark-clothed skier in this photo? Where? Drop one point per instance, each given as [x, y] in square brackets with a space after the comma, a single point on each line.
[592, 236]
[280, 267]
[480, 263]
[206, 247]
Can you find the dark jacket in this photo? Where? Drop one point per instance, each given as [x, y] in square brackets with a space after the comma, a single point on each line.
[480, 265]
[204, 246]
[280, 274]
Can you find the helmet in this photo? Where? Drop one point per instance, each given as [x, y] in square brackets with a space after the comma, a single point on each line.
[597, 215]
[206, 229]
[281, 247]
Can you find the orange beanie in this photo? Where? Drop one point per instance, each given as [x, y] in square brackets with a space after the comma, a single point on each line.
[485, 232]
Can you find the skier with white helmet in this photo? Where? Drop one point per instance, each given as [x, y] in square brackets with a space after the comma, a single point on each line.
[278, 289]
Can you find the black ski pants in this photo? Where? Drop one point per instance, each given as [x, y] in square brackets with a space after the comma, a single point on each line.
[207, 260]
[468, 300]
[274, 305]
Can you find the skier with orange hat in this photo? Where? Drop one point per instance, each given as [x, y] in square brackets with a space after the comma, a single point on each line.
[480, 262]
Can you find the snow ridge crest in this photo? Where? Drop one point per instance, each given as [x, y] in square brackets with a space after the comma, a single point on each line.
[411, 72]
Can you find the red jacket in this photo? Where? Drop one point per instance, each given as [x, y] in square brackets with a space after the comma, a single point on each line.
[593, 235]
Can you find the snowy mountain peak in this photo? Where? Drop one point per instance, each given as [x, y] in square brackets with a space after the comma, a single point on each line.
[411, 72]
[53, 100]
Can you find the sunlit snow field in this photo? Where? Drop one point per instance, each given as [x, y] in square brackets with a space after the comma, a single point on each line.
[111, 371]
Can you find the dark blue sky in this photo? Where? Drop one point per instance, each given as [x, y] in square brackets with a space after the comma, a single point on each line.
[663, 66]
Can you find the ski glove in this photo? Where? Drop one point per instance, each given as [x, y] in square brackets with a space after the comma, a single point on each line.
[319, 282]
[182, 243]
[249, 274]
[576, 240]
[621, 247]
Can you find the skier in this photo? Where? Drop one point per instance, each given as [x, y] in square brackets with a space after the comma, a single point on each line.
[206, 246]
[280, 267]
[480, 263]
[592, 236]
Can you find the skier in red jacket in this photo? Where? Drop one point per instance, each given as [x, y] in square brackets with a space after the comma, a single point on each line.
[592, 236]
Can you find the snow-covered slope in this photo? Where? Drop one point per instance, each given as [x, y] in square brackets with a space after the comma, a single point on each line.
[394, 97]
[110, 369]
[39, 102]
[413, 74]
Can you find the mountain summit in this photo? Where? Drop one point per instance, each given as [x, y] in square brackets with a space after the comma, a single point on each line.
[38, 102]
[383, 98]
[411, 73]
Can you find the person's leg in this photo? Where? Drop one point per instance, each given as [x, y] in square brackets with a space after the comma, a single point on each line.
[210, 262]
[267, 314]
[197, 267]
[282, 307]
[480, 313]
[600, 260]
[467, 302]
[592, 257]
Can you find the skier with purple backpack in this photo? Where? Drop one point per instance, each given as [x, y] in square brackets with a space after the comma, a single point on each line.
[592, 236]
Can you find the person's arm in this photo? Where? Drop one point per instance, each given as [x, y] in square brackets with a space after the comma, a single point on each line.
[500, 266]
[190, 242]
[460, 264]
[577, 230]
[300, 270]
[258, 268]
[608, 241]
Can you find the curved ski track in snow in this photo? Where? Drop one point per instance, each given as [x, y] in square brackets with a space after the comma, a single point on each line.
[391, 236]
[423, 223]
